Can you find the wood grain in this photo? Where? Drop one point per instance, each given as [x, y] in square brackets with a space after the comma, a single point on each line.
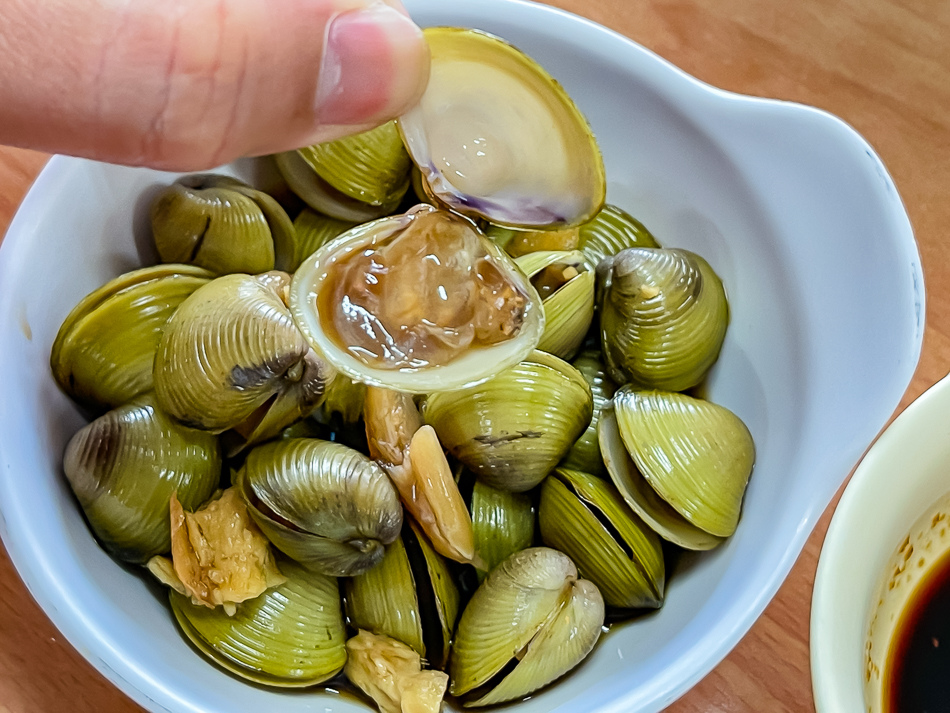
[881, 65]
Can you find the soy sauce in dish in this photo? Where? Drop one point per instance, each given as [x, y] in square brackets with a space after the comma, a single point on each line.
[917, 670]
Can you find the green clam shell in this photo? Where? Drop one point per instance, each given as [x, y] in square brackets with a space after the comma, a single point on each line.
[568, 311]
[219, 223]
[312, 231]
[124, 467]
[371, 167]
[587, 519]
[103, 353]
[585, 453]
[499, 234]
[530, 622]
[696, 455]
[663, 317]
[292, 635]
[325, 505]
[343, 398]
[511, 430]
[641, 497]
[409, 597]
[611, 231]
[356, 178]
[228, 350]
[502, 524]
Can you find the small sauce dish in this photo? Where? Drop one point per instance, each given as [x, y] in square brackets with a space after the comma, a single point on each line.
[889, 535]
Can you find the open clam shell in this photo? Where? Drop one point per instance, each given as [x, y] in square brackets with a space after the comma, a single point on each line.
[530, 622]
[409, 596]
[104, 350]
[514, 428]
[496, 137]
[663, 317]
[587, 519]
[640, 495]
[124, 467]
[290, 636]
[404, 314]
[323, 504]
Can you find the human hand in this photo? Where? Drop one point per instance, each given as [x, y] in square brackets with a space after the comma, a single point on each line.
[191, 84]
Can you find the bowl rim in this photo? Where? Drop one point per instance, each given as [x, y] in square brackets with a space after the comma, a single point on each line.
[722, 637]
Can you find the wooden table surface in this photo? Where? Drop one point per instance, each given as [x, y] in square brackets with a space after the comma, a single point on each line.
[881, 65]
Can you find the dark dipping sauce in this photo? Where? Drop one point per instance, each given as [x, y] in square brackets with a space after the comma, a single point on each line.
[917, 669]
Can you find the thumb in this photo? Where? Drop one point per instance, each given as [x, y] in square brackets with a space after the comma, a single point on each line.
[191, 84]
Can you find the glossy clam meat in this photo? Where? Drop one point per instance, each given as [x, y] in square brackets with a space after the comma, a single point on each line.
[416, 302]
[375, 303]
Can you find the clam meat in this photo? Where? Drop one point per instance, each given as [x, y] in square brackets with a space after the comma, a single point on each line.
[416, 302]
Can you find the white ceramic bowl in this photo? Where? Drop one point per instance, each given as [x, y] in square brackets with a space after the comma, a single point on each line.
[792, 208]
[903, 477]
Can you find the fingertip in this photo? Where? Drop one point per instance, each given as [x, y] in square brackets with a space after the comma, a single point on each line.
[375, 66]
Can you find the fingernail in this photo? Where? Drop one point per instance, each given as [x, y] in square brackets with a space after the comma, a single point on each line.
[372, 66]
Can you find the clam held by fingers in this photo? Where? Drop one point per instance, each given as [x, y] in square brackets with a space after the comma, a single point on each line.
[496, 137]
[416, 302]
[323, 504]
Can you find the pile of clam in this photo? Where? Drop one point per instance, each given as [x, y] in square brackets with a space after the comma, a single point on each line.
[429, 433]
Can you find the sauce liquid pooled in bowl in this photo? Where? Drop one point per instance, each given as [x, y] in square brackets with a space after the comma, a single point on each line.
[917, 670]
